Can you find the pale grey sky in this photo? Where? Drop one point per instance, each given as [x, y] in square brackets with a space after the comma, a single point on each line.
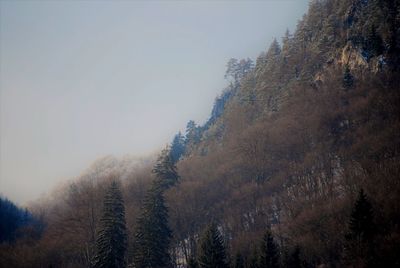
[83, 79]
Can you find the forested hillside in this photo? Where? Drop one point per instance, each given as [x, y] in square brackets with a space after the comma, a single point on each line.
[298, 165]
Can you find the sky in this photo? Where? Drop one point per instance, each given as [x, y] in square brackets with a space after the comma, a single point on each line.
[80, 80]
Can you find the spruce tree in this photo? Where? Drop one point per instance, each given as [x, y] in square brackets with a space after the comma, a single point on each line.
[192, 263]
[348, 79]
[165, 171]
[294, 260]
[211, 250]
[253, 260]
[239, 261]
[111, 241]
[153, 235]
[177, 148]
[361, 230]
[274, 50]
[269, 252]
[373, 42]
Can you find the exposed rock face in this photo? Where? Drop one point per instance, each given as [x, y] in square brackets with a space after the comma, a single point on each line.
[353, 57]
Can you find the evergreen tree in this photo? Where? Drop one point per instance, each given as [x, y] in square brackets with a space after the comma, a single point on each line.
[111, 241]
[165, 170]
[361, 231]
[153, 235]
[294, 260]
[348, 79]
[374, 43]
[239, 261]
[274, 50]
[13, 218]
[269, 252]
[211, 250]
[192, 134]
[192, 263]
[236, 70]
[177, 147]
[253, 260]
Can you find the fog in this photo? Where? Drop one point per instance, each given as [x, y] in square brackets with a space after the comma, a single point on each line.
[81, 80]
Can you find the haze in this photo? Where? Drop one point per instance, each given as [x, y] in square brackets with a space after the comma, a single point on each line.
[85, 79]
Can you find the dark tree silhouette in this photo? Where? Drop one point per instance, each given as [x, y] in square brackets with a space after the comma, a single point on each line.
[111, 242]
[153, 235]
[348, 79]
[212, 250]
[362, 230]
[269, 252]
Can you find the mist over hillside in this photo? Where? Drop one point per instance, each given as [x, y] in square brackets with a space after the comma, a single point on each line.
[297, 166]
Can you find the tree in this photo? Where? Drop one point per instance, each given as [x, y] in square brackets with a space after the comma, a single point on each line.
[361, 230]
[153, 235]
[193, 134]
[373, 42]
[165, 170]
[253, 260]
[348, 79]
[177, 147]
[13, 219]
[294, 260]
[192, 263]
[269, 252]
[212, 250]
[239, 261]
[236, 69]
[274, 50]
[111, 242]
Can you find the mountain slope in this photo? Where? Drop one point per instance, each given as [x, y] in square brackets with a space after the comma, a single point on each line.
[289, 145]
[313, 122]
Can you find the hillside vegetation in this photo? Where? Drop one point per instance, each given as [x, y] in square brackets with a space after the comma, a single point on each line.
[298, 165]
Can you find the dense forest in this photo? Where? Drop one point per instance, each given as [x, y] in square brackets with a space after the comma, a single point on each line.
[297, 166]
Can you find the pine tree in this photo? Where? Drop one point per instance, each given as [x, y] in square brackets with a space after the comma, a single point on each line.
[111, 241]
[177, 147]
[192, 263]
[274, 50]
[253, 260]
[361, 230]
[153, 235]
[348, 79]
[165, 170]
[294, 260]
[269, 252]
[211, 250]
[236, 70]
[374, 42]
[239, 261]
[192, 134]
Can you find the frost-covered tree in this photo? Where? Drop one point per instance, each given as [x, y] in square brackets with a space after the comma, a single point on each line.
[111, 241]
[236, 69]
[274, 50]
[177, 147]
[165, 171]
[193, 134]
[212, 250]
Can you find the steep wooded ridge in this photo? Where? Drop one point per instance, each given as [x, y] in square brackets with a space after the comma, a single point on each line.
[298, 165]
